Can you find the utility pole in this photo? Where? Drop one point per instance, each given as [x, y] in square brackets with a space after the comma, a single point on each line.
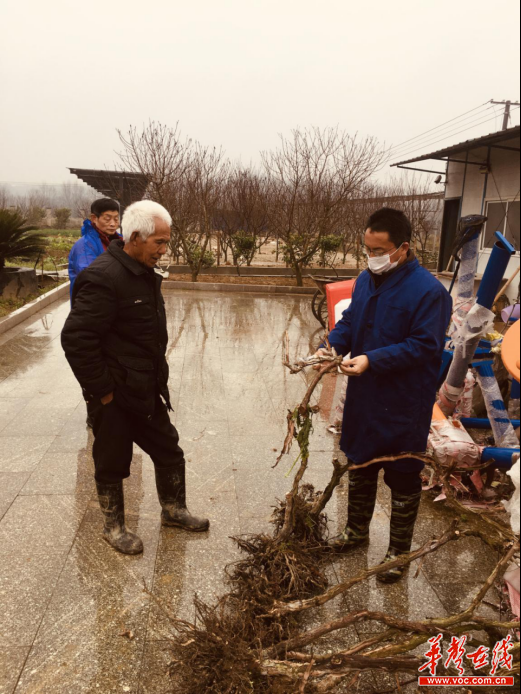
[507, 105]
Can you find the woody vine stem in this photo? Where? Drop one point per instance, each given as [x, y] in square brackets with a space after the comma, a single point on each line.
[268, 645]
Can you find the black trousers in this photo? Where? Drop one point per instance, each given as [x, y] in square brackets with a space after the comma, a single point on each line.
[116, 430]
[91, 410]
[401, 482]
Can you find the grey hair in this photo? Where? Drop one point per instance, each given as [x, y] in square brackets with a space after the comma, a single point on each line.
[141, 216]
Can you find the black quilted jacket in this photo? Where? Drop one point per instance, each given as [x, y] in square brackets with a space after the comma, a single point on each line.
[115, 337]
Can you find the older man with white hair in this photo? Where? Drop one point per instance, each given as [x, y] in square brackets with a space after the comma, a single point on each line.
[115, 341]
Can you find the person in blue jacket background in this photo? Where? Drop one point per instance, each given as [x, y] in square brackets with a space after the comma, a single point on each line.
[96, 235]
[394, 331]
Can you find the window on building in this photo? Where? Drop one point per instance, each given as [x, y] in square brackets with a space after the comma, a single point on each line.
[503, 217]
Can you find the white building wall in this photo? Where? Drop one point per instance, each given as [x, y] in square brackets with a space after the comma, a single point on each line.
[476, 189]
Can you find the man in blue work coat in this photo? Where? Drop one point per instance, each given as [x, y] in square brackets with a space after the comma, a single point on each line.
[394, 332]
[96, 234]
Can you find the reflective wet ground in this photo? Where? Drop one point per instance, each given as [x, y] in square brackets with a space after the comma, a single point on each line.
[74, 616]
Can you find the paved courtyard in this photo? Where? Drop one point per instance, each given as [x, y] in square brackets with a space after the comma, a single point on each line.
[74, 616]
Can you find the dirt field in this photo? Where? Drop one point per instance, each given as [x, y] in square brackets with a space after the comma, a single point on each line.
[234, 279]
[267, 256]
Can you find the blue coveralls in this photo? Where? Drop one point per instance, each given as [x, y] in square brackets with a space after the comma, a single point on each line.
[400, 326]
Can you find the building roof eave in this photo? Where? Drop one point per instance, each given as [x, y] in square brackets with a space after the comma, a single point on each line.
[463, 147]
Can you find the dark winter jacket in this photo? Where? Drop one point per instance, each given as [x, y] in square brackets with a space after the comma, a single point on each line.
[115, 337]
[400, 326]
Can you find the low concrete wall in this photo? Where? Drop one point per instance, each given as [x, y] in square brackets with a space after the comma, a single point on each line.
[18, 282]
[250, 288]
[253, 271]
[17, 317]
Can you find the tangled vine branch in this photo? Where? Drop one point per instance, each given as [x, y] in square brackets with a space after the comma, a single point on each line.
[252, 639]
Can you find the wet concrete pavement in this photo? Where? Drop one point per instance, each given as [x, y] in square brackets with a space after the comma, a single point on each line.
[73, 613]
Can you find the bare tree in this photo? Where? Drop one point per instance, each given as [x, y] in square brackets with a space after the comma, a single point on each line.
[5, 198]
[411, 195]
[77, 197]
[356, 213]
[194, 203]
[183, 176]
[62, 216]
[243, 219]
[424, 210]
[159, 153]
[33, 206]
[310, 177]
[180, 175]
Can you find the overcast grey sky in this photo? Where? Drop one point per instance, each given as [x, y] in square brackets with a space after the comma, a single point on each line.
[238, 72]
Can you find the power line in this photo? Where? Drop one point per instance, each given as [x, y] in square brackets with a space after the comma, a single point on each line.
[420, 143]
[439, 126]
[448, 128]
[405, 154]
[496, 114]
[454, 122]
[467, 126]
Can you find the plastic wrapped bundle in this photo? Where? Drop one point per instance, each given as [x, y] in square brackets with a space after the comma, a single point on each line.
[449, 440]
[513, 506]
[468, 268]
[464, 408]
[471, 322]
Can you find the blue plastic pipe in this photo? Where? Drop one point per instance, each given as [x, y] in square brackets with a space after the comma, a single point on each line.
[504, 434]
[495, 271]
[478, 423]
[502, 457]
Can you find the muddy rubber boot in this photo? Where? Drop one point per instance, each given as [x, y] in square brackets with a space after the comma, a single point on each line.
[361, 503]
[112, 505]
[171, 491]
[403, 518]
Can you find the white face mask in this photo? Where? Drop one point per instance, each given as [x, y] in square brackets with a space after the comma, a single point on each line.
[382, 263]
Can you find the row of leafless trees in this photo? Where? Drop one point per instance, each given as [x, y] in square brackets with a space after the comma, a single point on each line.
[414, 197]
[312, 194]
[315, 187]
[43, 205]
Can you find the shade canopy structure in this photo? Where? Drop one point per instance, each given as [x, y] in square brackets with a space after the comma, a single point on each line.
[124, 186]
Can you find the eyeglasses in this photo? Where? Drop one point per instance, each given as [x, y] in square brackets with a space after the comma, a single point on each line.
[378, 254]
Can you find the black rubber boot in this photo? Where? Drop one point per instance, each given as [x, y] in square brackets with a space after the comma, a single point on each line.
[403, 518]
[171, 490]
[361, 503]
[112, 505]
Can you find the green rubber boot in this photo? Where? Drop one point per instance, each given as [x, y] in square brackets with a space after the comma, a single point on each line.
[403, 518]
[362, 500]
[112, 505]
[171, 491]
